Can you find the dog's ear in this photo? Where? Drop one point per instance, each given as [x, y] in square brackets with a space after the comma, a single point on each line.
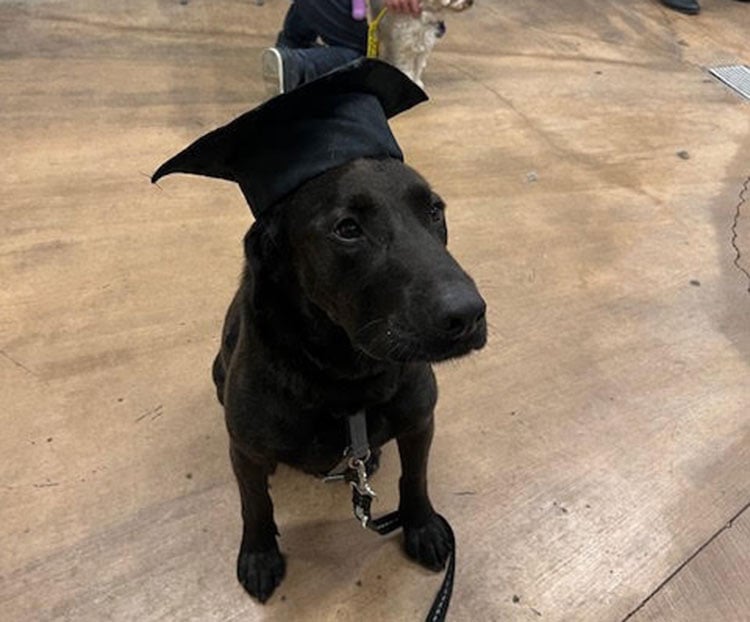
[262, 243]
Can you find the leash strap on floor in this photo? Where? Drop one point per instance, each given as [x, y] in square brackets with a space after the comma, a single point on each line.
[362, 496]
[389, 523]
[439, 608]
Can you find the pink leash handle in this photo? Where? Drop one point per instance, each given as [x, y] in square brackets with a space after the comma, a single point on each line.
[359, 9]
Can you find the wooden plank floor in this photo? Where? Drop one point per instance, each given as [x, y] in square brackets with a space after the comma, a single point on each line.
[587, 459]
[712, 585]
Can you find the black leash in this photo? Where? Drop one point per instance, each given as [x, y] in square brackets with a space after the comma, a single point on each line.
[353, 470]
[389, 523]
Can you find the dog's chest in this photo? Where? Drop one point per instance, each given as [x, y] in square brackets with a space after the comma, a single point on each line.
[321, 437]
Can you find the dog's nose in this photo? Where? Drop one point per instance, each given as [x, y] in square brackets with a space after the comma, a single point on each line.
[460, 313]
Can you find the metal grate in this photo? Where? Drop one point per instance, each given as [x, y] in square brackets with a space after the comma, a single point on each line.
[736, 77]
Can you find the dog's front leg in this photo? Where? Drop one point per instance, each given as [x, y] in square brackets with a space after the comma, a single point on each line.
[426, 538]
[260, 565]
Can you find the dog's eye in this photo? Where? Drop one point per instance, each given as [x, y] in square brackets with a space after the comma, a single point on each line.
[437, 207]
[348, 229]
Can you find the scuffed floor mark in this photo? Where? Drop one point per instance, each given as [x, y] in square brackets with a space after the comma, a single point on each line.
[46, 485]
[737, 212]
[154, 413]
[18, 364]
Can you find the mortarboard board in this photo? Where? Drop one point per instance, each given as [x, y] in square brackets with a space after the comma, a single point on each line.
[274, 148]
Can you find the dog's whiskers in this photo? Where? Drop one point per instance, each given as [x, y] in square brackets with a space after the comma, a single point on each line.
[371, 324]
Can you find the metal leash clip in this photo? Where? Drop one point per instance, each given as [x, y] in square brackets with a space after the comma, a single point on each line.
[362, 484]
[362, 492]
[361, 506]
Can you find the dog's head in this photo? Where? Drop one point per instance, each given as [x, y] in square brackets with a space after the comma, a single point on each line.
[347, 237]
[366, 244]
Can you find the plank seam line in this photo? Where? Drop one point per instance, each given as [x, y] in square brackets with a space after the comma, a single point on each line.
[735, 224]
[663, 584]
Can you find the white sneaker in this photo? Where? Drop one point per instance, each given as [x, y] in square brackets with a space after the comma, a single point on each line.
[273, 71]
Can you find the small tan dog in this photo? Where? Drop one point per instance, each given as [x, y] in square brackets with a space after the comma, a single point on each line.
[406, 41]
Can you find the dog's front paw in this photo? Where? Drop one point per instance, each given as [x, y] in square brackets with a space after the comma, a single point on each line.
[260, 572]
[429, 544]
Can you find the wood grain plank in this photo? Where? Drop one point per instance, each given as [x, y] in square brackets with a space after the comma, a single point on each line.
[713, 585]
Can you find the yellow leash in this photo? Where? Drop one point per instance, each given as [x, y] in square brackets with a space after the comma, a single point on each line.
[373, 39]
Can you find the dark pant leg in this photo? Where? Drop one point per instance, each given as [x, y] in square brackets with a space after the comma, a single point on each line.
[303, 65]
[297, 32]
[332, 21]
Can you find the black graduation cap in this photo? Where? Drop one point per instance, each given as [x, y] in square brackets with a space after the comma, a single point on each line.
[274, 148]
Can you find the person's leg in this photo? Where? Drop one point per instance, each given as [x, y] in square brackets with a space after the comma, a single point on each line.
[286, 68]
[313, 63]
[333, 22]
[297, 32]
[294, 62]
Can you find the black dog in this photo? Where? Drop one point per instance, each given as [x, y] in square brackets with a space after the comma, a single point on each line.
[348, 294]
[347, 297]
